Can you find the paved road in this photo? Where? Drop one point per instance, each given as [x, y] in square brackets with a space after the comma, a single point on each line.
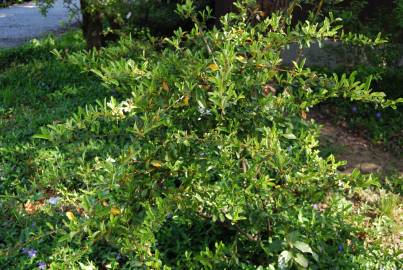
[20, 23]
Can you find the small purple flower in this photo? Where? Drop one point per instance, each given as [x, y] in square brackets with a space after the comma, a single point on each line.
[340, 248]
[53, 200]
[378, 115]
[42, 265]
[354, 109]
[30, 252]
[315, 206]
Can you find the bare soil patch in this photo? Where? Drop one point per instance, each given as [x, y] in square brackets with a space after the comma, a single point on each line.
[359, 152]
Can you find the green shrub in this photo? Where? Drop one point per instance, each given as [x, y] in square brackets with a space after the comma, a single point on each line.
[201, 159]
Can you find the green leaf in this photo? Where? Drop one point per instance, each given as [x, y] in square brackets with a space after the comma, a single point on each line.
[275, 246]
[315, 256]
[42, 136]
[301, 260]
[284, 259]
[303, 247]
[290, 136]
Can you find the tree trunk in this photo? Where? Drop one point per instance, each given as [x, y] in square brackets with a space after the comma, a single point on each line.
[222, 7]
[268, 6]
[115, 27]
[91, 26]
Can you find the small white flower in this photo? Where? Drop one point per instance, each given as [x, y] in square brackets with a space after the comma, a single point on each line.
[111, 160]
[127, 106]
[53, 200]
[128, 15]
[203, 111]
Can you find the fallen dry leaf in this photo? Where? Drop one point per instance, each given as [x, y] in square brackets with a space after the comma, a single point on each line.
[33, 207]
[268, 89]
[165, 86]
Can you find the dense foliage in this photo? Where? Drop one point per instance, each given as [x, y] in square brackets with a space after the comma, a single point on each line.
[191, 152]
[382, 126]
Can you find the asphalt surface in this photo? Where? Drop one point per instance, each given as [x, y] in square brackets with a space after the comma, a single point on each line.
[23, 22]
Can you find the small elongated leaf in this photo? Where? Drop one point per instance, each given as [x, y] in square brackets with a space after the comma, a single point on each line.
[315, 256]
[42, 136]
[70, 216]
[241, 59]
[303, 115]
[165, 86]
[156, 164]
[213, 67]
[290, 136]
[186, 100]
[115, 211]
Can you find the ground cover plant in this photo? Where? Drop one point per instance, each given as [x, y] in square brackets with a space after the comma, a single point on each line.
[382, 126]
[190, 152]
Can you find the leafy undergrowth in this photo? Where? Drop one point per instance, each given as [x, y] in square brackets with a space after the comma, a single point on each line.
[382, 126]
[194, 156]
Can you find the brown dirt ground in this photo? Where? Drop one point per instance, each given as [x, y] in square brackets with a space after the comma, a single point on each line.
[356, 150]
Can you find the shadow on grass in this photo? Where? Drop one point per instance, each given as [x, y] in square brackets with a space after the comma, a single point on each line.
[37, 89]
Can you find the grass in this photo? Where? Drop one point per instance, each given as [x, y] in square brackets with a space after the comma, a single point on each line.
[389, 205]
[36, 89]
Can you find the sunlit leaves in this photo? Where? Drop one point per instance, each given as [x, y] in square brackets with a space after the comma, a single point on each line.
[70, 215]
[115, 211]
[213, 67]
